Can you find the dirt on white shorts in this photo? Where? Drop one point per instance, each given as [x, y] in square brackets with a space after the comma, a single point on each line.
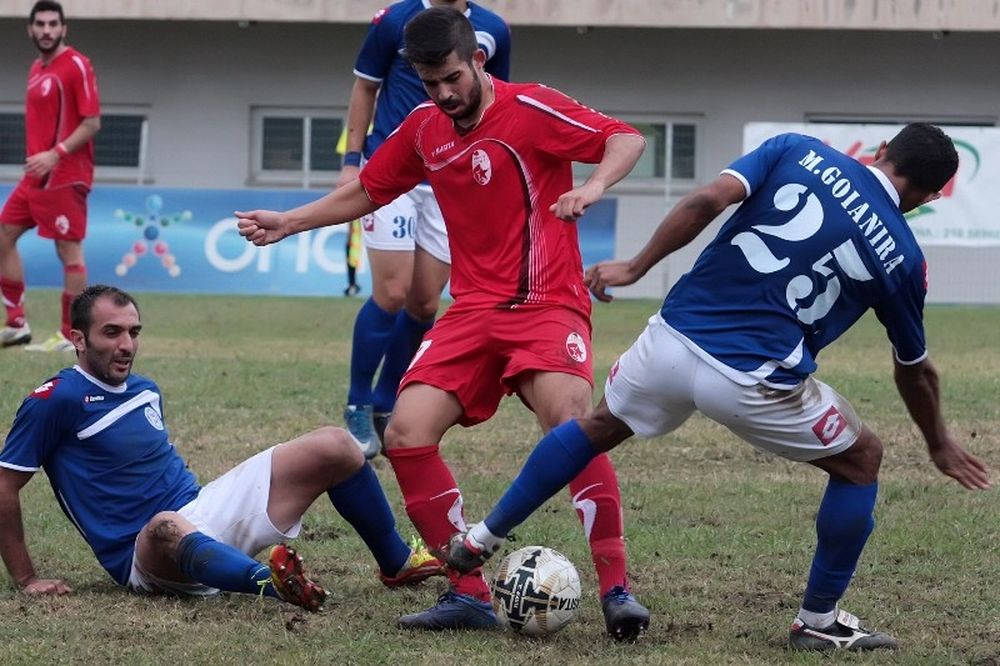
[412, 218]
[232, 509]
[659, 382]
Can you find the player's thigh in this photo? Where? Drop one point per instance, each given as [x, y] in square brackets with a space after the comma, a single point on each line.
[809, 422]
[461, 357]
[648, 387]
[304, 468]
[15, 218]
[429, 230]
[430, 275]
[392, 276]
[61, 213]
[555, 397]
[422, 415]
[234, 507]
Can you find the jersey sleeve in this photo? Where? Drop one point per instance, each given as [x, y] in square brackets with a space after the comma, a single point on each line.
[566, 129]
[379, 48]
[903, 317]
[498, 53]
[38, 428]
[396, 166]
[753, 168]
[84, 87]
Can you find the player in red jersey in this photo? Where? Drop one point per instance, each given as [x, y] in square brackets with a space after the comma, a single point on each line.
[62, 115]
[498, 157]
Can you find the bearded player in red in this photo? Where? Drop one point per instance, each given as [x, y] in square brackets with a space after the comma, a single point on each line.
[62, 115]
[498, 157]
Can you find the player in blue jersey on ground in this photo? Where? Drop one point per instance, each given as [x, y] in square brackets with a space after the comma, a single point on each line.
[818, 240]
[406, 240]
[98, 432]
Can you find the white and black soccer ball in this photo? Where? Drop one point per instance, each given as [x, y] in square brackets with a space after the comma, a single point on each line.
[536, 591]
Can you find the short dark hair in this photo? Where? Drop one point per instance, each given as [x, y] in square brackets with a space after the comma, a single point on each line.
[924, 155]
[82, 308]
[437, 31]
[46, 6]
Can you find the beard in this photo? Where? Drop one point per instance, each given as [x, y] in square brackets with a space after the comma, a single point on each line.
[471, 108]
[47, 49]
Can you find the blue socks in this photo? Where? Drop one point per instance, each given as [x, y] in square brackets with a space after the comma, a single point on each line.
[557, 459]
[403, 344]
[209, 562]
[361, 501]
[372, 329]
[843, 524]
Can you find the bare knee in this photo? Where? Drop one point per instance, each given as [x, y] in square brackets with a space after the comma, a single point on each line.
[165, 530]
[858, 464]
[337, 451]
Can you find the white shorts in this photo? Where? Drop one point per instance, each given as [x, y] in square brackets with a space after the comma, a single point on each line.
[658, 383]
[412, 218]
[232, 509]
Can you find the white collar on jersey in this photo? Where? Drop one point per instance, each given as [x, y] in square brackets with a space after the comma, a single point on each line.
[886, 183]
[121, 388]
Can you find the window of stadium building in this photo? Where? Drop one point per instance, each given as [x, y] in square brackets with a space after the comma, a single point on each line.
[669, 155]
[119, 148]
[296, 146]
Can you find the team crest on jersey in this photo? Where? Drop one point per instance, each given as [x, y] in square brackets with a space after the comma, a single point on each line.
[482, 168]
[62, 224]
[45, 390]
[829, 426]
[153, 418]
[46, 86]
[576, 347]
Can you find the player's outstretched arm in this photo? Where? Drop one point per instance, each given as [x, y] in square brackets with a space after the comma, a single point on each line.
[347, 203]
[683, 223]
[621, 153]
[12, 546]
[918, 386]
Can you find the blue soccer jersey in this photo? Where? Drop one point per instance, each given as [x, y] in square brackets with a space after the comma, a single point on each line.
[819, 240]
[107, 455]
[401, 90]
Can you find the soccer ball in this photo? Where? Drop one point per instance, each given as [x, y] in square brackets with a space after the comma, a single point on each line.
[536, 591]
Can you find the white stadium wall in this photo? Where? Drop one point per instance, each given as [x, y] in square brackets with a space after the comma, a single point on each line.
[198, 81]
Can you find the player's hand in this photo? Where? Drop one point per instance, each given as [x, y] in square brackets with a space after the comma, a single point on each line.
[959, 464]
[609, 274]
[46, 587]
[261, 227]
[347, 174]
[40, 164]
[571, 205]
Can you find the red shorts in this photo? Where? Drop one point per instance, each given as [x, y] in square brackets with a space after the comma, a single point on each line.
[478, 355]
[60, 213]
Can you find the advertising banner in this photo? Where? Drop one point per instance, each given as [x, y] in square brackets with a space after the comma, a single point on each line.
[185, 241]
[968, 212]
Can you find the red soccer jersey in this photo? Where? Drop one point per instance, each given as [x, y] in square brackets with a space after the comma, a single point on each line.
[495, 185]
[60, 95]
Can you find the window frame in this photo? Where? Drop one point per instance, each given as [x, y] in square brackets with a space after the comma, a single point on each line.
[102, 174]
[656, 184]
[305, 177]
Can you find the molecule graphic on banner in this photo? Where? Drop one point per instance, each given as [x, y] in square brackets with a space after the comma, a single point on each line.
[150, 224]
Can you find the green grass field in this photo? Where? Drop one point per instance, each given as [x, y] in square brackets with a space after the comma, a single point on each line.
[720, 535]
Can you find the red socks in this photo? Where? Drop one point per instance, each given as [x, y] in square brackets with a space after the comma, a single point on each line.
[434, 505]
[598, 504]
[13, 301]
